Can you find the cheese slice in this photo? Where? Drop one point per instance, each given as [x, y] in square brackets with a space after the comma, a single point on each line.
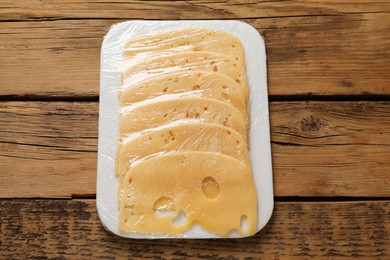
[161, 111]
[151, 114]
[198, 83]
[172, 193]
[181, 138]
[187, 40]
[142, 68]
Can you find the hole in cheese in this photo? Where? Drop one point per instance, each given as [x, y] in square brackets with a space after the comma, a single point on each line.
[163, 206]
[244, 223]
[130, 180]
[171, 136]
[233, 234]
[226, 122]
[195, 87]
[210, 187]
[180, 218]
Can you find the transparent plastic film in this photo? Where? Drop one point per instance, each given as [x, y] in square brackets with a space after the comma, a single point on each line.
[198, 83]
[153, 113]
[168, 79]
[194, 184]
[176, 132]
[177, 138]
[193, 40]
[140, 67]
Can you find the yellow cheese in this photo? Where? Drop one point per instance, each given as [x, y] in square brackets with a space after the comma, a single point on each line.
[172, 193]
[187, 40]
[145, 115]
[182, 155]
[198, 83]
[141, 69]
[181, 138]
[142, 116]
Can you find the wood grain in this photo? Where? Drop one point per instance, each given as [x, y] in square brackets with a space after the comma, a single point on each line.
[316, 50]
[209, 9]
[345, 54]
[48, 149]
[322, 123]
[71, 229]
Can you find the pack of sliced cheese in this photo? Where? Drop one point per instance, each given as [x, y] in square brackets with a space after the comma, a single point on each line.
[184, 141]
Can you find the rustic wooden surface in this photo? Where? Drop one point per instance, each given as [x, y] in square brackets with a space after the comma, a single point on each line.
[67, 51]
[341, 141]
[71, 228]
[329, 86]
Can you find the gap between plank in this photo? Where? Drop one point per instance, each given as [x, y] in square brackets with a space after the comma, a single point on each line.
[276, 199]
[338, 98]
[49, 19]
[328, 199]
[37, 98]
[272, 98]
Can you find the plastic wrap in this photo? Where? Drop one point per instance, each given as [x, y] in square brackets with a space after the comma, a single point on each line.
[184, 143]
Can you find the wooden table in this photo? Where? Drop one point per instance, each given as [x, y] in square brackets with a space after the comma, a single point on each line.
[329, 86]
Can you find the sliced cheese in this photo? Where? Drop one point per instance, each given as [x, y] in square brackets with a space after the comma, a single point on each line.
[199, 83]
[152, 114]
[172, 193]
[181, 138]
[142, 68]
[187, 40]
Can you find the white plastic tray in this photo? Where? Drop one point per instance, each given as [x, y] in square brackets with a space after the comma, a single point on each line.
[260, 152]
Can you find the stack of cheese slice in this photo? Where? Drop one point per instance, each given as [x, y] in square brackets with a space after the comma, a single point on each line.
[182, 157]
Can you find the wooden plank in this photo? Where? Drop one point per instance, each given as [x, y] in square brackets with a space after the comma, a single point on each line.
[51, 58]
[319, 148]
[330, 55]
[344, 54]
[323, 123]
[331, 170]
[57, 9]
[46, 145]
[71, 229]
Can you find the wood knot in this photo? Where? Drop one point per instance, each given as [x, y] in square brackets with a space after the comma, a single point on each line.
[311, 124]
